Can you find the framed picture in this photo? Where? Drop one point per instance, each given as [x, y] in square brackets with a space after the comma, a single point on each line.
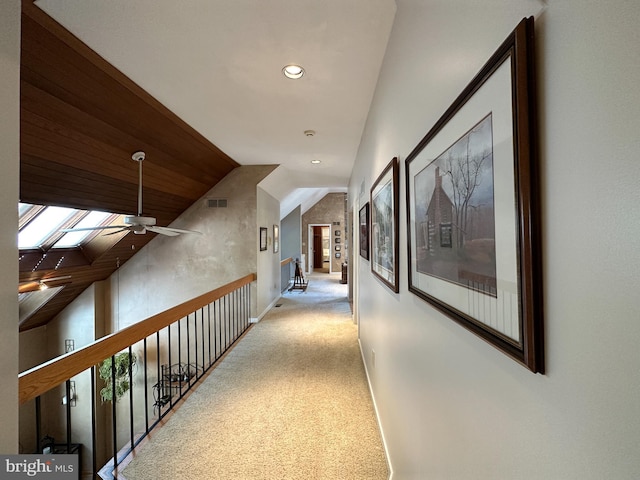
[263, 239]
[337, 248]
[472, 213]
[337, 240]
[338, 255]
[364, 231]
[337, 233]
[384, 226]
[276, 239]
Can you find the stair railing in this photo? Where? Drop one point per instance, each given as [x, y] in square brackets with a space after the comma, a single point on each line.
[186, 341]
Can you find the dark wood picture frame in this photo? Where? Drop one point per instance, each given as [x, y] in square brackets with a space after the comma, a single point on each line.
[384, 225]
[363, 216]
[363, 235]
[490, 283]
[263, 239]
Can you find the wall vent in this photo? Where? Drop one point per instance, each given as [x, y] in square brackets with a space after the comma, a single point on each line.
[217, 202]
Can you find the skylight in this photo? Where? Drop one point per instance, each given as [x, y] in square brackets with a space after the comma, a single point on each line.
[73, 239]
[40, 226]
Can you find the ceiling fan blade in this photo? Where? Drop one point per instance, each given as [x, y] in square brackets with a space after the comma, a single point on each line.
[122, 229]
[174, 231]
[67, 230]
[163, 231]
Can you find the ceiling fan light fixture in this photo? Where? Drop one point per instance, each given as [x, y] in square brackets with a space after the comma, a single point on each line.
[293, 71]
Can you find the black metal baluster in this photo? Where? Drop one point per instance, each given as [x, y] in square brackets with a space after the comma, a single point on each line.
[246, 306]
[179, 356]
[241, 308]
[218, 353]
[203, 336]
[131, 429]
[158, 376]
[226, 323]
[68, 410]
[169, 368]
[38, 424]
[235, 314]
[241, 303]
[202, 330]
[113, 412]
[195, 340]
[209, 330]
[94, 435]
[187, 375]
[146, 388]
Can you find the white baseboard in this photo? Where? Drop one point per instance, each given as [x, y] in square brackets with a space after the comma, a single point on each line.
[375, 407]
[265, 311]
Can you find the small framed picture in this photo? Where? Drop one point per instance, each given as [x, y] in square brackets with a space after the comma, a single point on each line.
[338, 255]
[337, 248]
[337, 233]
[276, 238]
[364, 231]
[263, 239]
[337, 240]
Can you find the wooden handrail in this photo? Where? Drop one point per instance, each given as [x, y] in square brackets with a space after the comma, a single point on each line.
[40, 379]
[286, 261]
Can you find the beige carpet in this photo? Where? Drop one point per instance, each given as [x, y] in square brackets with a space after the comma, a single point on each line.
[290, 401]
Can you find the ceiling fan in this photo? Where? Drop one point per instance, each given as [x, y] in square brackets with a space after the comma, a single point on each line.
[137, 224]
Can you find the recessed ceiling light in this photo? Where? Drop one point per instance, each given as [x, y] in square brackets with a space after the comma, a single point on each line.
[315, 162]
[293, 71]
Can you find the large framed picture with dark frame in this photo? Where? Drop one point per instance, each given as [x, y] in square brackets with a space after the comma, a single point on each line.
[472, 207]
[384, 226]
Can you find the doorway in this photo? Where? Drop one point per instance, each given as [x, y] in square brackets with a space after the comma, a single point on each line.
[320, 248]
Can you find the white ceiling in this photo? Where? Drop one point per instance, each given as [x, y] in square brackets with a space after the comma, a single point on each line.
[217, 65]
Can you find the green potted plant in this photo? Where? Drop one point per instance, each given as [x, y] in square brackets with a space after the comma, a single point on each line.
[123, 363]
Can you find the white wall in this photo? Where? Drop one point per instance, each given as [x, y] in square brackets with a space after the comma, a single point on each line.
[452, 406]
[9, 181]
[268, 262]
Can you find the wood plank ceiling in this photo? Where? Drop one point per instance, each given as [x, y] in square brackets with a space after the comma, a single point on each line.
[81, 119]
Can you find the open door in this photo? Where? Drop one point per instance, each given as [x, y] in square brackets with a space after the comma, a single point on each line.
[319, 246]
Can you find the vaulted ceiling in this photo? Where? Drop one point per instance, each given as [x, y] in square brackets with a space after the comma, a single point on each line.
[198, 87]
[81, 119]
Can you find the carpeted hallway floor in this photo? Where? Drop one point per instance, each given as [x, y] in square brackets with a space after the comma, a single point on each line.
[290, 401]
